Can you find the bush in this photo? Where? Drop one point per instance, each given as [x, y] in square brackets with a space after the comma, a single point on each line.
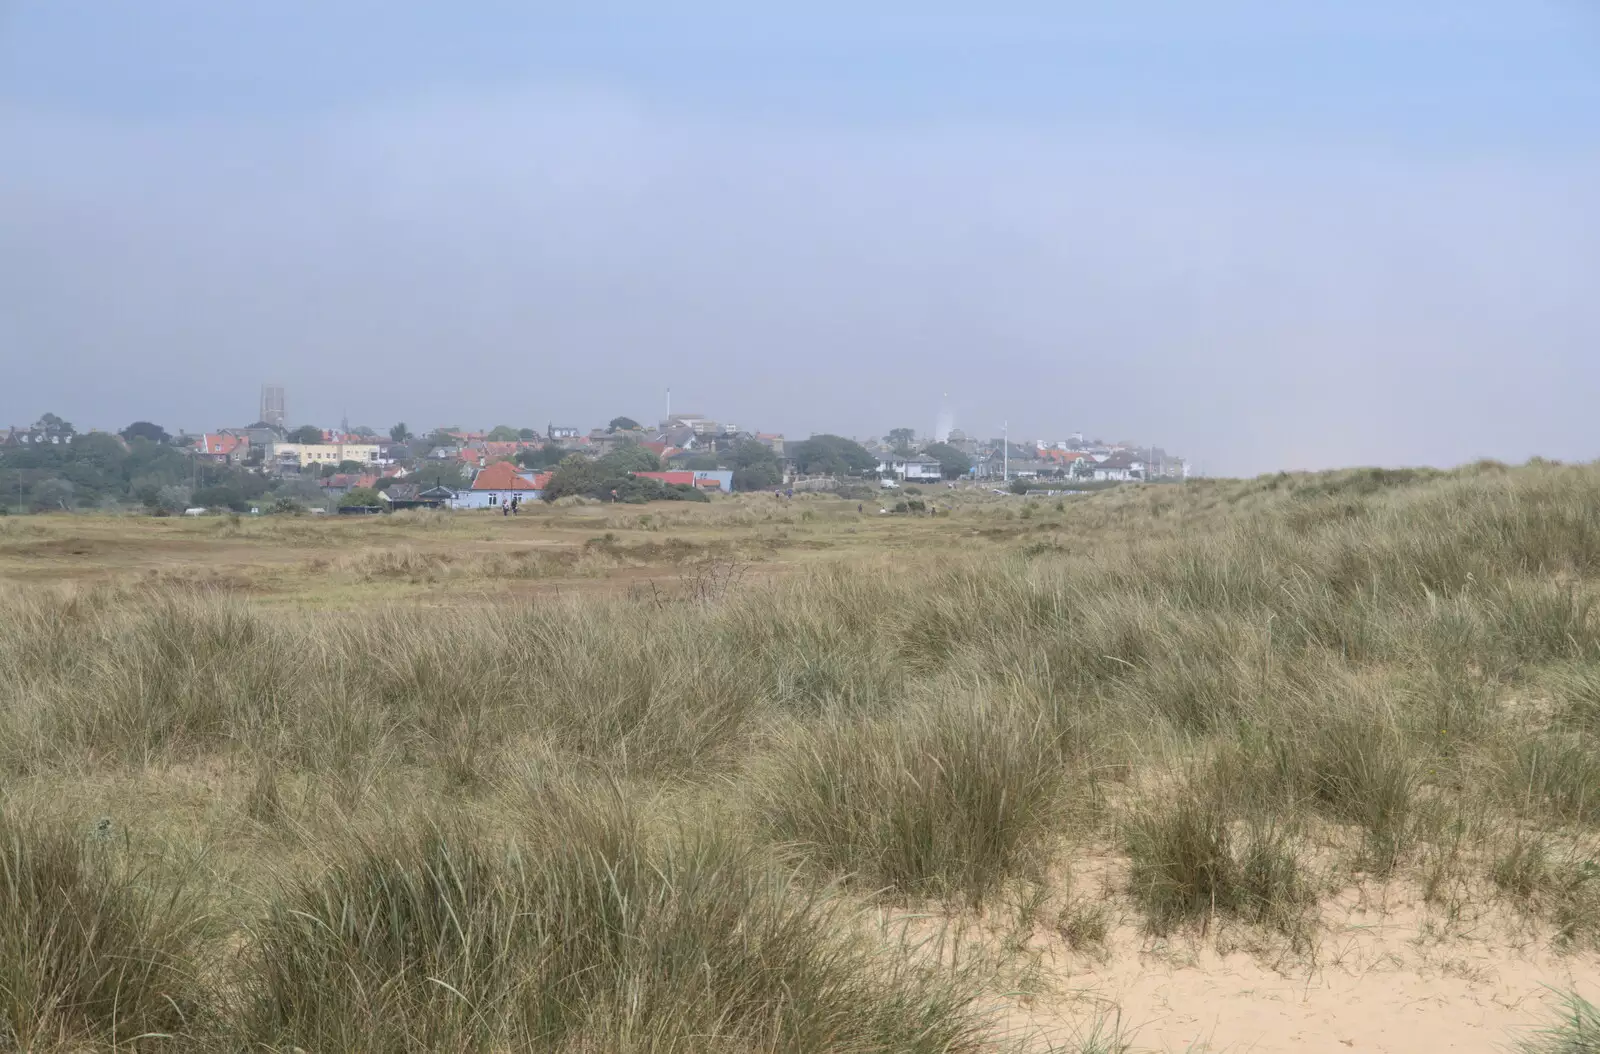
[224, 497]
[360, 497]
[603, 480]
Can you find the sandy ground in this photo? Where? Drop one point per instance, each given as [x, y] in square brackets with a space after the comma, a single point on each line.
[1382, 977]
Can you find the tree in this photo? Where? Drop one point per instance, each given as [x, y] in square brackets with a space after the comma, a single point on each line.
[225, 496]
[527, 435]
[443, 473]
[364, 496]
[1019, 486]
[53, 494]
[623, 424]
[145, 430]
[172, 498]
[952, 462]
[901, 439]
[831, 455]
[52, 425]
[540, 457]
[348, 466]
[702, 463]
[400, 433]
[502, 434]
[755, 466]
[299, 491]
[630, 457]
[308, 434]
[578, 475]
[575, 475]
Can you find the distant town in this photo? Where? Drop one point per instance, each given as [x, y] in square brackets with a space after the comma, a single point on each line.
[273, 465]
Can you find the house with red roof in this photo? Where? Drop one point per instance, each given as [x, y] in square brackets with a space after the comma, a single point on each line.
[341, 483]
[498, 485]
[222, 447]
[704, 479]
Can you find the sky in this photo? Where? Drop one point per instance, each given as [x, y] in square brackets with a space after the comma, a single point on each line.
[1264, 235]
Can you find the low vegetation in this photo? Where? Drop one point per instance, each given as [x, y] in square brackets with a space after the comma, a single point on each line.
[686, 817]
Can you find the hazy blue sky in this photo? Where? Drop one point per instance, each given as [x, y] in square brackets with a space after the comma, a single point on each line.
[1266, 234]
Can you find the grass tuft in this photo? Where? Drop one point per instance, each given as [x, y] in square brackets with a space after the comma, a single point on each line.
[1577, 1031]
[91, 953]
[1190, 863]
[583, 936]
[948, 801]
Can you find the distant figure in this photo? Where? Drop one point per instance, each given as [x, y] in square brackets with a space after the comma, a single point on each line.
[791, 493]
[505, 510]
[858, 508]
[515, 502]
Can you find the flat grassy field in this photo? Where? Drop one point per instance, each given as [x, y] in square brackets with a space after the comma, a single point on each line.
[1296, 763]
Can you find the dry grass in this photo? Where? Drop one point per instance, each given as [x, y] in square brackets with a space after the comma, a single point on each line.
[595, 779]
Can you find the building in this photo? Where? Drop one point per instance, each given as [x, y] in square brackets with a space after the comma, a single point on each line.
[562, 432]
[705, 479]
[1122, 468]
[699, 424]
[223, 448]
[304, 455]
[1067, 462]
[412, 496]
[499, 484]
[272, 407]
[342, 483]
[911, 469]
[33, 436]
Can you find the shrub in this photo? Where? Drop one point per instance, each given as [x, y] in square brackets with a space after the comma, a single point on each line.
[360, 497]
